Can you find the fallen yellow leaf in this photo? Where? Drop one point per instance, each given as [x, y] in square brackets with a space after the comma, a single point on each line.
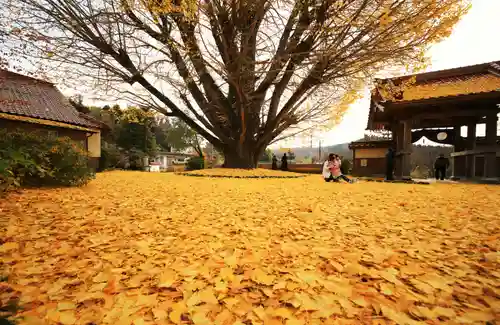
[167, 279]
[67, 318]
[208, 296]
[159, 314]
[65, 306]
[9, 246]
[262, 277]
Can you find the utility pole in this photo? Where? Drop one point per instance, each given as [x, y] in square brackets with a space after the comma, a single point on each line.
[319, 151]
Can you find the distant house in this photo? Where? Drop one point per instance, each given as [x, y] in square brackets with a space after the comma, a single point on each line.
[169, 159]
[30, 104]
[368, 157]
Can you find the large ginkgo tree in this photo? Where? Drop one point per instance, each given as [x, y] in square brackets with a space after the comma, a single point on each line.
[241, 73]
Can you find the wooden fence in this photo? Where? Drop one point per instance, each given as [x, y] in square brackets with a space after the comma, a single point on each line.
[298, 168]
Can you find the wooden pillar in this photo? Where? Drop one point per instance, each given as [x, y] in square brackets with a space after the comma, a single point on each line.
[406, 150]
[354, 169]
[471, 145]
[398, 133]
[456, 147]
[490, 168]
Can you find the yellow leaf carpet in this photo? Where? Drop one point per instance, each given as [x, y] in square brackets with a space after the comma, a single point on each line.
[148, 248]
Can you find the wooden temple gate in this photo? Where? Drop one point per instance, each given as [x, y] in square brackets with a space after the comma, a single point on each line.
[437, 105]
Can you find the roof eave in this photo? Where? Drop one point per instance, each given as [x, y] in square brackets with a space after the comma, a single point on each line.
[448, 73]
[34, 120]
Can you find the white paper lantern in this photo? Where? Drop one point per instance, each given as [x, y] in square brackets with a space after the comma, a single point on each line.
[442, 136]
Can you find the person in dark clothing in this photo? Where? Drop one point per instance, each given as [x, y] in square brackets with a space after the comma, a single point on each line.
[440, 166]
[389, 161]
[284, 163]
[275, 163]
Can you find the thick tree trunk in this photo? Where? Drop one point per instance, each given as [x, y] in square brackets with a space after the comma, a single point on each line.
[246, 160]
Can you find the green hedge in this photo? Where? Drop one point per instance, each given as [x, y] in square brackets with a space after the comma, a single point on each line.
[195, 163]
[38, 159]
[346, 166]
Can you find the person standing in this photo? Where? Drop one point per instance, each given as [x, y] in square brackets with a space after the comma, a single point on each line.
[440, 166]
[389, 164]
[284, 163]
[275, 163]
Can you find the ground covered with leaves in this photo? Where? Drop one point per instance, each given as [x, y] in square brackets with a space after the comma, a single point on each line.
[146, 248]
[242, 173]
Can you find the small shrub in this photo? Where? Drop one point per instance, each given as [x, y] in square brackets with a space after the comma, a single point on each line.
[420, 172]
[7, 312]
[195, 163]
[38, 159]
[136, 159]
[110, 157]
[346, 166]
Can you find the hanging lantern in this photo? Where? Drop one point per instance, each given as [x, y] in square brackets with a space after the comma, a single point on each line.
[441, 136]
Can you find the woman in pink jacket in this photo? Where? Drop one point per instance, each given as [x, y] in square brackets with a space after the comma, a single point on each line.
[331, 169]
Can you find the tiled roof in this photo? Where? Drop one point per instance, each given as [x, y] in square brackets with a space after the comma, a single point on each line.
[480, 80]
[463, 85]
[467, 80]
[26, 96]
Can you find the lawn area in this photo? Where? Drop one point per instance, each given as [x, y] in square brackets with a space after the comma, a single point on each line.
[147, 248]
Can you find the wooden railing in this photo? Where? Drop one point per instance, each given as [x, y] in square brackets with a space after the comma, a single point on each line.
[469, 167]
[476, 152]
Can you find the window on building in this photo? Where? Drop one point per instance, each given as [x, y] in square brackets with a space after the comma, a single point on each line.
[364, 162]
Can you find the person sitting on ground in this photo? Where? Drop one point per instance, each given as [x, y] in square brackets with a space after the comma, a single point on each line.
[331, 169]
[337, 170]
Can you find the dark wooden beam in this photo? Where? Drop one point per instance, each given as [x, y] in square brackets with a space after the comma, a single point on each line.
[444, 122]
[490, 159]
[435, 113]
[471, 113]
[474, 152]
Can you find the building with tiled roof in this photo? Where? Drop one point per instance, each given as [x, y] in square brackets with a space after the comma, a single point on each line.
[32, 104]
[426, 90]
[437, 105]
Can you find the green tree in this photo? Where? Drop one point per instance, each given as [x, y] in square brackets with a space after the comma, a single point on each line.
[181, 137]
[266, 156]
[77, 102]
[136, 131]
[161, 130]
[239, 73]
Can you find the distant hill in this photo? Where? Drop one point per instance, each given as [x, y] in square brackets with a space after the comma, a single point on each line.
[423, 156]
[305, 152]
